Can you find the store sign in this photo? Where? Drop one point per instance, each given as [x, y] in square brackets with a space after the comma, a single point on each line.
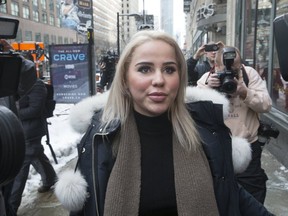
[205, 11]
[69, 70]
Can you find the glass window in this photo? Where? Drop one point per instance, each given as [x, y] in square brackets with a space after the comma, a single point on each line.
[51, 5]
[52, 20]
[26, 12]
[44, 18]
[262, 37]
[53, 39]
[28, 35]
[3, 8]
[38, 37]
[60, 40]
[19, 35]
[58, 22]
[14, 9]
[249, 26]
[66, 40]
[279, 92]
[46, 40]
[43, 4]
[36, 16]
[35, 2]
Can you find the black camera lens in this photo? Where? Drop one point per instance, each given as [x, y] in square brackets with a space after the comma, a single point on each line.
[229, 86]
[227, 83]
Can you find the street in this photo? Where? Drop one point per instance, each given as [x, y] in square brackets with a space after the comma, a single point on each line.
[276, 201]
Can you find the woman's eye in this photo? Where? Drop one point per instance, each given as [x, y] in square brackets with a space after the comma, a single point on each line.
[144, 69]
[169, 70]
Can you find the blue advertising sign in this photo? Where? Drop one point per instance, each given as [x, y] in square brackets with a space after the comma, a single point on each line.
[69, 71]
[76, 15]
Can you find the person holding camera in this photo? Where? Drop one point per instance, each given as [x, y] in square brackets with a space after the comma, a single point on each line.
[107, 66]
[195, 69]
[248, 96]
[31, 112]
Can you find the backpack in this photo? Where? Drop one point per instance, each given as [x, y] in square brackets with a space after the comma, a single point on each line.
[50, 102]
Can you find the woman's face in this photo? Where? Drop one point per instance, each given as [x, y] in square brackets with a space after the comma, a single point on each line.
[153, 78]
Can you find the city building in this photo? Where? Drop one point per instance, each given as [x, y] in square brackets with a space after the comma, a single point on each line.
[167, 22]
[67, 21]
[248, 25]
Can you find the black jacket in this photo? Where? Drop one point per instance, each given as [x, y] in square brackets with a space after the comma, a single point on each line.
[31, 111]
[195, 71]
[232, 200]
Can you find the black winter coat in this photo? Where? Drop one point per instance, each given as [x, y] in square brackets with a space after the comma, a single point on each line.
[195, 71]
[31, 110]
[232, 200]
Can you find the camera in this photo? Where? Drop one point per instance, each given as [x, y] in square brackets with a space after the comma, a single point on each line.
[226, 77]
[211, 47]
[267, 130]
[12, 141]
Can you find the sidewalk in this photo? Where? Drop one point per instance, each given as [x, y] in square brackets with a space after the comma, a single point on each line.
[47, 204]
[277, 185]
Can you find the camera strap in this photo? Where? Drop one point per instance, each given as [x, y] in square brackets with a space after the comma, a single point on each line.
[245, 75]
[212, 70]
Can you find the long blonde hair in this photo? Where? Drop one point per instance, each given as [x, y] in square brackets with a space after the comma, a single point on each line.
[120, 102]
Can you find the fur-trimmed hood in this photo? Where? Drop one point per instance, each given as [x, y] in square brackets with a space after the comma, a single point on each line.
[81, 115]
[71, 187]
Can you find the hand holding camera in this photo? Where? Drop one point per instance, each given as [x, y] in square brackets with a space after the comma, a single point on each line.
[210, 47]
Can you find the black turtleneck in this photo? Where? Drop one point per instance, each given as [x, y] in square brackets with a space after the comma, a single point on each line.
[157, 196]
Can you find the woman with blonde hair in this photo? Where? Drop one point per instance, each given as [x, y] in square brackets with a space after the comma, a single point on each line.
[142, 151]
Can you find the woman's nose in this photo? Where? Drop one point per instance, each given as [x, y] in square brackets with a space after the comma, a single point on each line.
[158, 78]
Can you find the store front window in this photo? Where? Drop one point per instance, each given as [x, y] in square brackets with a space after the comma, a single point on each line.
[262, 37]
[256, 46]
[280, 86]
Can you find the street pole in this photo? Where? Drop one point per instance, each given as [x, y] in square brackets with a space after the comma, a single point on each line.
[118, 28]
[90, 36]
[144, 18]
[118, 35]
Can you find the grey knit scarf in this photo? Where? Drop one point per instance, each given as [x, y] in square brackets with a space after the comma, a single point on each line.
[193, 181]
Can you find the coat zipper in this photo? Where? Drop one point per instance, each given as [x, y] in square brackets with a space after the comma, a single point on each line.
[94, 171]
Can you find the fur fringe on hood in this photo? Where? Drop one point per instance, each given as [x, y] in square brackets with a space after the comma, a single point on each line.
[81, 114]
[71, 188]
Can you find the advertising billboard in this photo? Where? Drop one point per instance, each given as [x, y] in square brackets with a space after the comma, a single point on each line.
[69, 71]
[76, 15]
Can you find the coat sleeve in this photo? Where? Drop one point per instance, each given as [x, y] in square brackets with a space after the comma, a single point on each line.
[192, 71]
[202, 80]
[250, 206]
[258, 98]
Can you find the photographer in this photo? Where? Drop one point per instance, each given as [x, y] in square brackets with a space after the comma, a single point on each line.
[248, 97]
[107, 65]
[195, 69]
[16, 81]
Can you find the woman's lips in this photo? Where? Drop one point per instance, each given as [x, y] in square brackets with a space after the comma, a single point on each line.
[157, 96]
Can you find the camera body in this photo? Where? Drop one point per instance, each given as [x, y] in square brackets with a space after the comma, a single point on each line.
[110, 59]
[211, 47]
[226, 77]
[267, 130]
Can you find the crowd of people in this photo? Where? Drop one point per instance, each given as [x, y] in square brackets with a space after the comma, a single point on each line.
[152, 144]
